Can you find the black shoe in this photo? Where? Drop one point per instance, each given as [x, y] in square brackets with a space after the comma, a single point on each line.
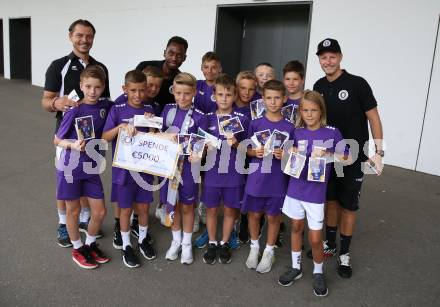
[129, 258]
[135, 228]
[243, 235]
[224, 254]
[63, 236]
[117, 237]
[150, 238]
[289, 277]
[147, 249]
[344, 267]
[210, 254]
[319, 285]
[280, 239]
[83, 226]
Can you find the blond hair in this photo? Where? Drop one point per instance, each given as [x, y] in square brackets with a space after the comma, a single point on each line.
[317, 99]
[245, 75]
[185, 78]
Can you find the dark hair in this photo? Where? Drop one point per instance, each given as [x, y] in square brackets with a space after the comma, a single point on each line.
[225, 81]
[274, 85]
[210, 56]
[81, 22]
[294, 66]
[135, 76]
[93, 71]
[178, 40]
[152, 71]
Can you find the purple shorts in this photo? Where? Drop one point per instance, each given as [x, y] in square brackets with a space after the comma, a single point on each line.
[88, 187]
[126, 195]
[188, 193]
[268, 205]
[213, 197]
[113, 196]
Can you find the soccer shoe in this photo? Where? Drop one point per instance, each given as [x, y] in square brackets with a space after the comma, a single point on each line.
[252, 259]
[187, 255]
[224, 254]
[202, 240]
[319, 285]
[173, 251]
[210, 254]
[63, 236]
[84, 258]
[135, 229]
[129, 258]
[202, 212]
[147, 249]
[266, 262]
[234, 242]
[97, 254]
[289, 277]
[196, 226]
[344, 266]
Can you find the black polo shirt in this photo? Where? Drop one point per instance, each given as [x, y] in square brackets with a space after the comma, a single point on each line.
[62, 77]
[165, 95]
[347, 99]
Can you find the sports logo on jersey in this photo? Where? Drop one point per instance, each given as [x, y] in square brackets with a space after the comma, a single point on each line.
[74, 67]
[202, 93]
[102, 113]
[213, 97]
[326, 43]
[170, 89]
[191, 123]
[343, 94]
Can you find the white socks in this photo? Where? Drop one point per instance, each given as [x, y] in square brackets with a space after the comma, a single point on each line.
[187, 238]
[84, 215]
[269, 248]
[177, 236]
[317, 267]
[255, 244]
[296, 260]
[62, 217]
[77, 244]
[125, 239]
[90, 239]
[142, 233]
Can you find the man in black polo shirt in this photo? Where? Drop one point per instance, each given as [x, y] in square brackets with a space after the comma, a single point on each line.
[350, 107]
[62, 77]
[175, 55]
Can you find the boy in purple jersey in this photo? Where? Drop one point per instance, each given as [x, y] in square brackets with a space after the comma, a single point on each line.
[72, 184]
[222, 182]
[183, 118]
[312, 139]
[129, 192]
[211, 68]
[293, 79]
[265, 188]
[246, 84]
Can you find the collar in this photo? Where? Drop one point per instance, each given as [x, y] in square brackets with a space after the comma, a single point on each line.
[73, 56]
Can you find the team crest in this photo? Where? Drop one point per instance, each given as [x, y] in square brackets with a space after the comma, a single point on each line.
[343, 94]
[191, 123]
[102, 113]
[202, 93]
[213, 97]
[170, 89]
[326, 43]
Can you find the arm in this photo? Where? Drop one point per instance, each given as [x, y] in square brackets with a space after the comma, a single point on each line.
[377, 133]
[111, 134]
[52, 103]
[78, 145]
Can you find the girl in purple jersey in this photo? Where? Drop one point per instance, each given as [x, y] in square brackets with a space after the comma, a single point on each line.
[312, 140]
[73, 184]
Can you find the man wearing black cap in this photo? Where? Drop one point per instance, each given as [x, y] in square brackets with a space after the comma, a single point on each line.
[350, 107]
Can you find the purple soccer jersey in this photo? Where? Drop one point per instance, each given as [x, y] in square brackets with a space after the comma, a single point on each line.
[304, 139]
[271, 182]
[246, 111]
[67, 130]
[205, 99]
[122, 113]
[256, 96]
[156, 107]
[220, 175]
[294, 102]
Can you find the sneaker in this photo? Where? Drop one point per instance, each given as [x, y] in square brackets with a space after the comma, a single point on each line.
[210, 254]
[84, 258]
[173, 251]
[187, 255]
[319, 285]
[97, 254]
[117, 237]
[344, 266]
[202, 212]
[63, 236]
[135, 229]
[243, 234]
[289, 277]
[224, 254]
[129, 258]
[280, 239]
[82, 227]
[202, 240]
[147, 250]
[196, 226]
[266, 262]
[252, 259]
[234, 242]
[328, 251]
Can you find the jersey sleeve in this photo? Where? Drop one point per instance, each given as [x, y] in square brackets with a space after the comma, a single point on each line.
[67, 124]
[112, 120]
[203, 122]
[121, 99]
[366, 96]
[53, 78]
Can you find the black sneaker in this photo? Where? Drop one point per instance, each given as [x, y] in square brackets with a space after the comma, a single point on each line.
[63, 236]
[224, 253]
[129, 258]
[319, 285]
[135, 228]
[150, 238]
[289, 277]
[243, 235]
[210, 254]
[117, 237]
[147, 250]
[280, 239]
[344, 266]
[83, 228]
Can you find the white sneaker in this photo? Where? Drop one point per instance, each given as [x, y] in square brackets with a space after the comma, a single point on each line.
[196, 226]
[187, 255]
[266, 262]
[202, 212]
[157, 213]
[173, 251]
[252, 259]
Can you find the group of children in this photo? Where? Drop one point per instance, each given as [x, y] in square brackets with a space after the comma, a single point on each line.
[258, 101]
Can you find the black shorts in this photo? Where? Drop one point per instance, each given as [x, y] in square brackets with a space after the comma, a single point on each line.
[347, 189]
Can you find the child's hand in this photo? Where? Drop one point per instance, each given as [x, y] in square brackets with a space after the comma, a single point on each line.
[130, 129]
[78, 145]
[318, 152]
[193, 158]
[278, 153]
[148, 115]
[259, 152]
[230, 138]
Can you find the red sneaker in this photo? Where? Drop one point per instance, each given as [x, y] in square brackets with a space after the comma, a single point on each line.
[97, 254]
[83, 258]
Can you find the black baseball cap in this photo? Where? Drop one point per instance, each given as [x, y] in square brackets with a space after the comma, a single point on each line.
[328, 44]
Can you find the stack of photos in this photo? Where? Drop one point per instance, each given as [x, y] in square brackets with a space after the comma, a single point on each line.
[231, 125]
[84, 127]
[316, 171]
[210, 139]
[295, 165]
[196, 145]
[183, 140]
[221, 118]
[257, 108]
[289, 112]
[276, 140]
[151, 122]
[260, 138]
